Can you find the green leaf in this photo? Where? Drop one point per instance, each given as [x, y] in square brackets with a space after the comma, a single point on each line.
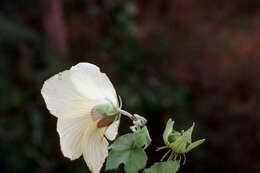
[127, 150]
[164, 167]
[142, 137]
[123, 142]
[137, 160]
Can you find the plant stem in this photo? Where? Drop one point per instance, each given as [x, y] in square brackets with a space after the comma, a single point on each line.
[127, 114]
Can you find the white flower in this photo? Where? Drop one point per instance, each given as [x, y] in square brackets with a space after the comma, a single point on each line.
[85, 103]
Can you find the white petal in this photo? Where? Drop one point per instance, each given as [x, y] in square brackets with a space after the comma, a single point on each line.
[77, 108]
[112, 130]
[86, 84]
[94, 148]
[71, 132]
[58, 90]
[88, 80]
[108, 88]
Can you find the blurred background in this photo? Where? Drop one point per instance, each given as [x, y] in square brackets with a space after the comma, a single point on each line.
[192, 61]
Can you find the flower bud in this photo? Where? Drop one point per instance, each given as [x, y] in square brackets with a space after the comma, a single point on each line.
[142, 121]
[179, 142]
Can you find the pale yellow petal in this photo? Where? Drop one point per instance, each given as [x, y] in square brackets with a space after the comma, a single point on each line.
[71, 132]
[59, 90]
[94, 148]
[77, 108]
[88, 80]
[112, 130]
[86, 85]
[108, 89]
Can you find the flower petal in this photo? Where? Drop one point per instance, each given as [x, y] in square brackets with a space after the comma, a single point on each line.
[58, 90]
[88, 80]
[108, 89]
[94, 148]
[71, 132]
[112, 130]
[77, 108]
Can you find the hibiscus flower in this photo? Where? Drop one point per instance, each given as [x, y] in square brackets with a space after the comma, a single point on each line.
[86, 106]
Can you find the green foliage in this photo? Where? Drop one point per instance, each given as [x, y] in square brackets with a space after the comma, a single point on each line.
[164, 167]
[142, 137]
[13, 33]
[127, 150]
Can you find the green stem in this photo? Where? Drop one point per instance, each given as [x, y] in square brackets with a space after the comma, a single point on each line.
[165, 155]
[161, 148]
[127, 114]
[171, 156]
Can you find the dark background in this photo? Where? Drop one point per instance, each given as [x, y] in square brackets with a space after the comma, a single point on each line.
[191, 60]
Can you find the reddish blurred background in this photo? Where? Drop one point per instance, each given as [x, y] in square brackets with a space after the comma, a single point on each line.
[189, 60]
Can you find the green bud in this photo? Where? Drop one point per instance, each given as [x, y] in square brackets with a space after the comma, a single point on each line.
[140, 118]
[179, 142]
[173, 136]
[107, 110]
